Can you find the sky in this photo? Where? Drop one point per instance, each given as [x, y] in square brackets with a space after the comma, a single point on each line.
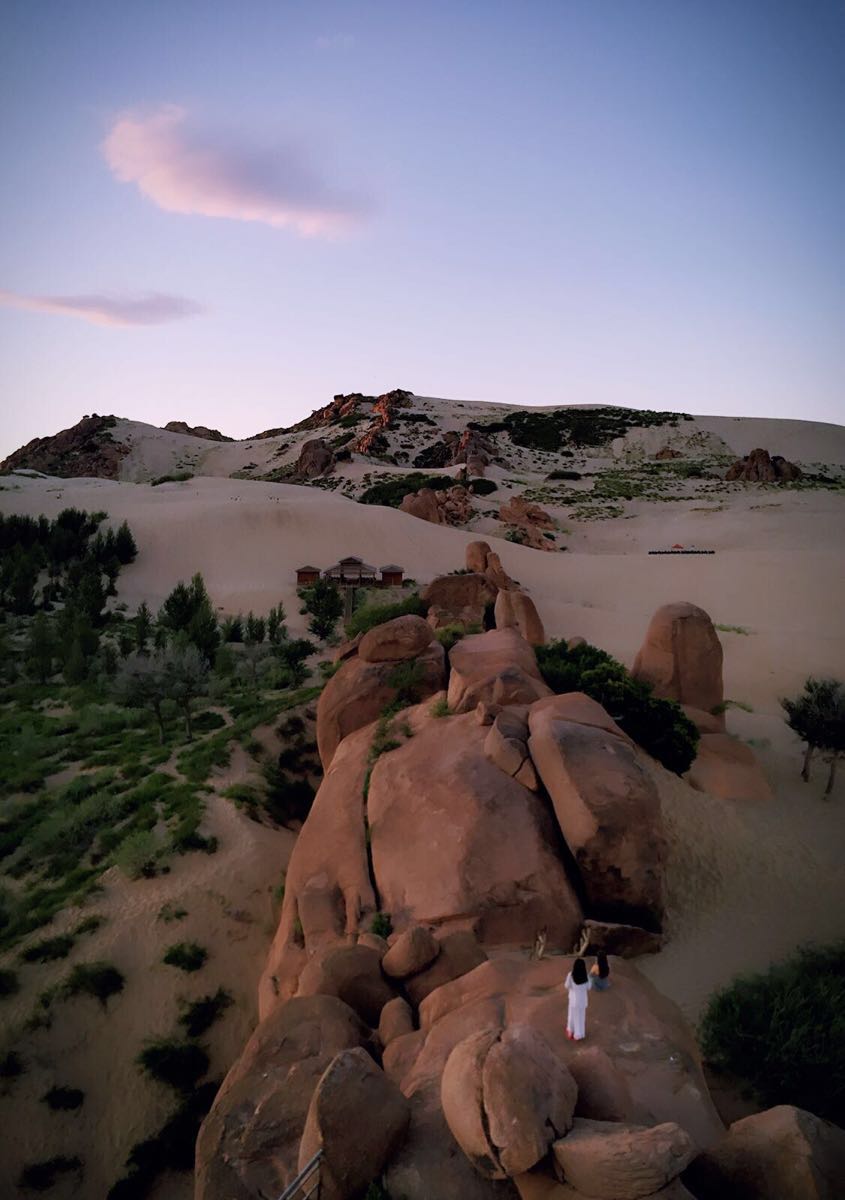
[227, 212]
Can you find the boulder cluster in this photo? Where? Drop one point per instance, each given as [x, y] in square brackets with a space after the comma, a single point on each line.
[529, 522]
[197, 431]
[449, 506]
[466, 813]
[761, 467]
[87, 450]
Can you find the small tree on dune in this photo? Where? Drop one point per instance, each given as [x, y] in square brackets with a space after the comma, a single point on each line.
[186, 673]
[818, 717]
[324, 603]
[40, 649]
[141, 682]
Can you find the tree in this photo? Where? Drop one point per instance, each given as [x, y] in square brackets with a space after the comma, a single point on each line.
[143, 626]
[232, 629]
[817, 716]
[141, 682]
[188, 610]
[293, 655]
[276, 629]
[186, 673]
[124, 544]
[40, 649]
[325, 604]
[256, 629]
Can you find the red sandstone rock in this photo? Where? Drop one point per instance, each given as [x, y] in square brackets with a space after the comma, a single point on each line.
[727, 768]
[399, 639]
[784, 1153]
[681, 657]
[608, 810]
[197, 431]
[86, 450]
[612, 1161]
[518, 511]
[353, 974]
[459, 954]
[760, 467]
[422, 504]
[581, 709]
[515, 609]
[412, 951]
[315, 458]
[396, 1020]
[355, 1151]
[498, 666]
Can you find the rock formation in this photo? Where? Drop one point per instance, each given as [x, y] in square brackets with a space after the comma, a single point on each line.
[681, 657]
[481, 560]
[197, 431]
[373, 441]
[497, 667]
[315, 458]
[515, 609]
[728, 768]
[760, 467]
[450, 506]
[470, 448]
[86, 450]
[529, 521]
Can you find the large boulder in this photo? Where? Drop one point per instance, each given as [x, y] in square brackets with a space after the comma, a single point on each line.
[490, 861]
[496, 667]
[357, 693]
[681, 657]
[458, 953]
[355, 1150]
[422, 504]
[457, 599]
[353, 974]
[481, 560]
[315, 458]
[761, 467]
[608, 809]
[396, 640]
[622, 1162]
[727, 768]
[248, 1144]
[395, 1021]
[519, 511]
[515, 609]
[784, 1153]
[412, 951]
[506, 1096]
[476, 557]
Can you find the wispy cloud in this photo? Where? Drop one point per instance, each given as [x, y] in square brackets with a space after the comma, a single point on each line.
[185, 169]
[149, 308]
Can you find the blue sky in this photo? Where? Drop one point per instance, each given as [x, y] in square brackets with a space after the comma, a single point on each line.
[227, 212]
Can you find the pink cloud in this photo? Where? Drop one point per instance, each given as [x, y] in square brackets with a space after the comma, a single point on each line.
[184, 169]
[149, 308]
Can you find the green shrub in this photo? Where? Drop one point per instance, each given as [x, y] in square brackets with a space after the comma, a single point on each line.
[178, 477]
[564, 475]
[88, 925]
[62, 1099]
[440, 708]
[372, 615]
[40, 1177]
[180, 1065]
[783, 1031]
[391, 492]
[48, 949]
[659, 726]
[11, 1065]
[482, 487]
[98, 979]
[381, 926]
[199, 1015]
[9, 983]
[136, 854]
[187, 956]
[170, 912]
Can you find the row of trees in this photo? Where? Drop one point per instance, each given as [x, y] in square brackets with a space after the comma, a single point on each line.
[818, 717]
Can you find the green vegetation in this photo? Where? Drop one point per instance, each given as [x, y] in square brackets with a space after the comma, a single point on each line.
[63, 1099]
[482, 487]
[178, 477]
[574, 427]
[324, 603]
[48, 949]
[784, 1031]
[41, 1176]
[440, 708]
[170, 1149]
[381, 925]
[818, 717]
[187, 956]
[564, 475]
[659, 726]
[88, 925]
[391, 490]
[371, 615]
[9, 982]
[180, 1065]
[200, 1015]
[171, 912]
[732, 629]
[98, 979]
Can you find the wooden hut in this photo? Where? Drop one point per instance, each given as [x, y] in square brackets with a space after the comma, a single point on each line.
[392, 576]
[305, 576]
[352, 572]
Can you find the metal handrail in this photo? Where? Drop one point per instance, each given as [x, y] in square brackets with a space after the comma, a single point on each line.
[297, 1185]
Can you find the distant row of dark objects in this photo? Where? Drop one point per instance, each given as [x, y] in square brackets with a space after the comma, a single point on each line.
[682, 551]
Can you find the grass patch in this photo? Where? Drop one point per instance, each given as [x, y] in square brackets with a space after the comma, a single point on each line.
[170, 912]
[41, 1176]
[98, 979]
[381, 925]
[440, 708]
[179, 1065]
[48, 949]
[371, 615]
[187, 956]
[733, 629]
[199, 1015]
[63, 1099]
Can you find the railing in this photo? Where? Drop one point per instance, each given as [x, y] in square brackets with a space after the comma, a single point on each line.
[307, 1182]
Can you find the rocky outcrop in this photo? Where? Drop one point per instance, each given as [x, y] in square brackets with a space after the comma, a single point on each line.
[622, 1162]
[412, 951]
[727, 768]
[514, 609]
[197, 431]
[373, 440]
[457, 599]
[761, 467]
[356, 694]
[396, 640]
[497, 667]
[349, 405]
[626, 941]
[353, 974]
[529, 522]
[784, 1153]
[450, 506]
[506, 1096]
[481, 560]
[355, 1151]
[470, 448]
[491, 862]
[396, 1020]
[608, 809]
[249, 1143]
[681, 657]
[86, 450]
[315, 458]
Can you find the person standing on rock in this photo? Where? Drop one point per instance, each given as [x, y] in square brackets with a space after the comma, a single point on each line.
[600, 973]
[578, 985]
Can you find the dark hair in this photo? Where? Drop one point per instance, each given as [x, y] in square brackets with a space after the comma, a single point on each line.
[579, 971]
[602, 964]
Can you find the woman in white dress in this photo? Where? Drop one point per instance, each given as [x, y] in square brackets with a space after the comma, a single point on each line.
[578, 985]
